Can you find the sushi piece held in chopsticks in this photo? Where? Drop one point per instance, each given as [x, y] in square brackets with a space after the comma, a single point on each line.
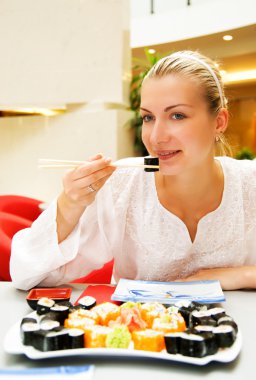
[151, 161]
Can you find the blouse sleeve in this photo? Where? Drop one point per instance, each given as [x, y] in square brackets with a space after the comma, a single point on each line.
[38, 259]
[249, 201]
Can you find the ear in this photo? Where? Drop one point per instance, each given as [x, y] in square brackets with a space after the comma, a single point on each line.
[222, 121]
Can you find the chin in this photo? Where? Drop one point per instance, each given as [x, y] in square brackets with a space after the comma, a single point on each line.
[171, 171]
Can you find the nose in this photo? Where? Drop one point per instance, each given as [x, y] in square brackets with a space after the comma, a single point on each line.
[160, 133]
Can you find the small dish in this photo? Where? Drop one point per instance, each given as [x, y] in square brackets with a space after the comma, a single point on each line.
[57, 294]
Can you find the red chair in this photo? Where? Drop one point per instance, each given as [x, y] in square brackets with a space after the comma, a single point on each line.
[24, 207]
[9, 225]
[98, 276]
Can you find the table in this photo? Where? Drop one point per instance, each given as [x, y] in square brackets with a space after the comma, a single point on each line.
[240, 305]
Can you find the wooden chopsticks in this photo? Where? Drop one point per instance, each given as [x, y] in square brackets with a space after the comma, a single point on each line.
[47, 163]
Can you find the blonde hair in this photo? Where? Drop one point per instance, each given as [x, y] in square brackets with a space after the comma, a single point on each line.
[198, 67]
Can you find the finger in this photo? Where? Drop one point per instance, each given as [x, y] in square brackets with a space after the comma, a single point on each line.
[91, 167]
[95, 157]
[96, 186]
[96, 177]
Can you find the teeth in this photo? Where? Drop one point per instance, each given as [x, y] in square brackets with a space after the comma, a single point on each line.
[166, 153]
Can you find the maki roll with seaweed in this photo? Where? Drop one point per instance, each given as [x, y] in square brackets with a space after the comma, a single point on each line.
[225, 335]
[27, 331]
[76, 338]
[210, 339]
[202, 318]
[229, 321]
[172, 342]
[44, 305]
[87, 302]
[48, 325]
[151, 161]
[59, 313]
[192, 345]
[217, 313]
[53, 340]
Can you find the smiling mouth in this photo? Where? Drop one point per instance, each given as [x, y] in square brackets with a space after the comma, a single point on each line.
[168, 154]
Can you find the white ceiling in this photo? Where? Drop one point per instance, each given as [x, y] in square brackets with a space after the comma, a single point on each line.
[236, 55]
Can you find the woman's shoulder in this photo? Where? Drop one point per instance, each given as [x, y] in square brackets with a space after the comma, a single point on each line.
[241, 168]
[241, 174]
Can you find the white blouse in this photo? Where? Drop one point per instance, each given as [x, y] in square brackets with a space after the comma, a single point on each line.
[127, 222]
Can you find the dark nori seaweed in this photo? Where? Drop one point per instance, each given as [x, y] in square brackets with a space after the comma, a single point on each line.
[151, 161]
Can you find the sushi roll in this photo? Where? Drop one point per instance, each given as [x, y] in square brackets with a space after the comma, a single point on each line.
[169, 323]
[210, 339]
[217, 312]
[192, 345]
[227, 320]
[225, 335]
[151, 310]
[148, 340]
[172, 342]
[44, 305]
[95, 336]
[106, 311]
[51, 340]
[49, 325]
[27, 331]
[202, 318]
[27, 320]
[76, 338]
[151, 161]
[60, 312]
[87, 302]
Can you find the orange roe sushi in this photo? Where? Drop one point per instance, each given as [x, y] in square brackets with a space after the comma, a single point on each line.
[148, 340]
[79, 323]
[150, 311]
[169, 323]
[106, 311]
[95, 336]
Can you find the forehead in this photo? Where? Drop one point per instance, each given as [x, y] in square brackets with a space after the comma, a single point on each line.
[171, 88]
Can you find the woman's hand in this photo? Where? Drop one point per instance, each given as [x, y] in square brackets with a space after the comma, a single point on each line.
[80, 188]
[82, 184]
[230, 278]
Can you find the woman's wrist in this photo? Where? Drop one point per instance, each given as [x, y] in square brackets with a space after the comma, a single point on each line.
[68, 215]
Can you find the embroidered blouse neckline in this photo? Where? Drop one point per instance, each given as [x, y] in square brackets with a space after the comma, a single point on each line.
[204, 219]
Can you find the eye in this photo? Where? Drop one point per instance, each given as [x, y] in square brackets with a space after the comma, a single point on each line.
[147, 118]
[178, 116]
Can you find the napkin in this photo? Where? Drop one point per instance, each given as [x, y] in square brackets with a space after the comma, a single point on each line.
[84, 372]
[102, 293]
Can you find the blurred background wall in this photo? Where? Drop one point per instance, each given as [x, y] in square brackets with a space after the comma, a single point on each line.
[71, 62]
[66, 67]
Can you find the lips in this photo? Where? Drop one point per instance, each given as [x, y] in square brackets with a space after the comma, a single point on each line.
[166, 154]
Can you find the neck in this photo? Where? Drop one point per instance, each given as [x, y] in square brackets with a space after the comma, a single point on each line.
[194, 185]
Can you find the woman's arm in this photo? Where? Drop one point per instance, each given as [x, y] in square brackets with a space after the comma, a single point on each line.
[230, 278]
[60, 245]
[77, 194]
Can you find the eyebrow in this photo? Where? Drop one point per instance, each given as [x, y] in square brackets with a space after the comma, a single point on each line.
[167, 108]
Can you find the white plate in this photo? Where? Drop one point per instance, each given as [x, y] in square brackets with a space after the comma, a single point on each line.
[13, 345]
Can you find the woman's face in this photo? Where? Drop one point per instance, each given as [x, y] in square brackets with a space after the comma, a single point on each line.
[177, 125]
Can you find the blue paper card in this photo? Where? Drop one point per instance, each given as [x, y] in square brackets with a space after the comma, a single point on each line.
[168, 292]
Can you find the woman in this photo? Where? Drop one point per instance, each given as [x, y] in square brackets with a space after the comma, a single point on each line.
[194, 219]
